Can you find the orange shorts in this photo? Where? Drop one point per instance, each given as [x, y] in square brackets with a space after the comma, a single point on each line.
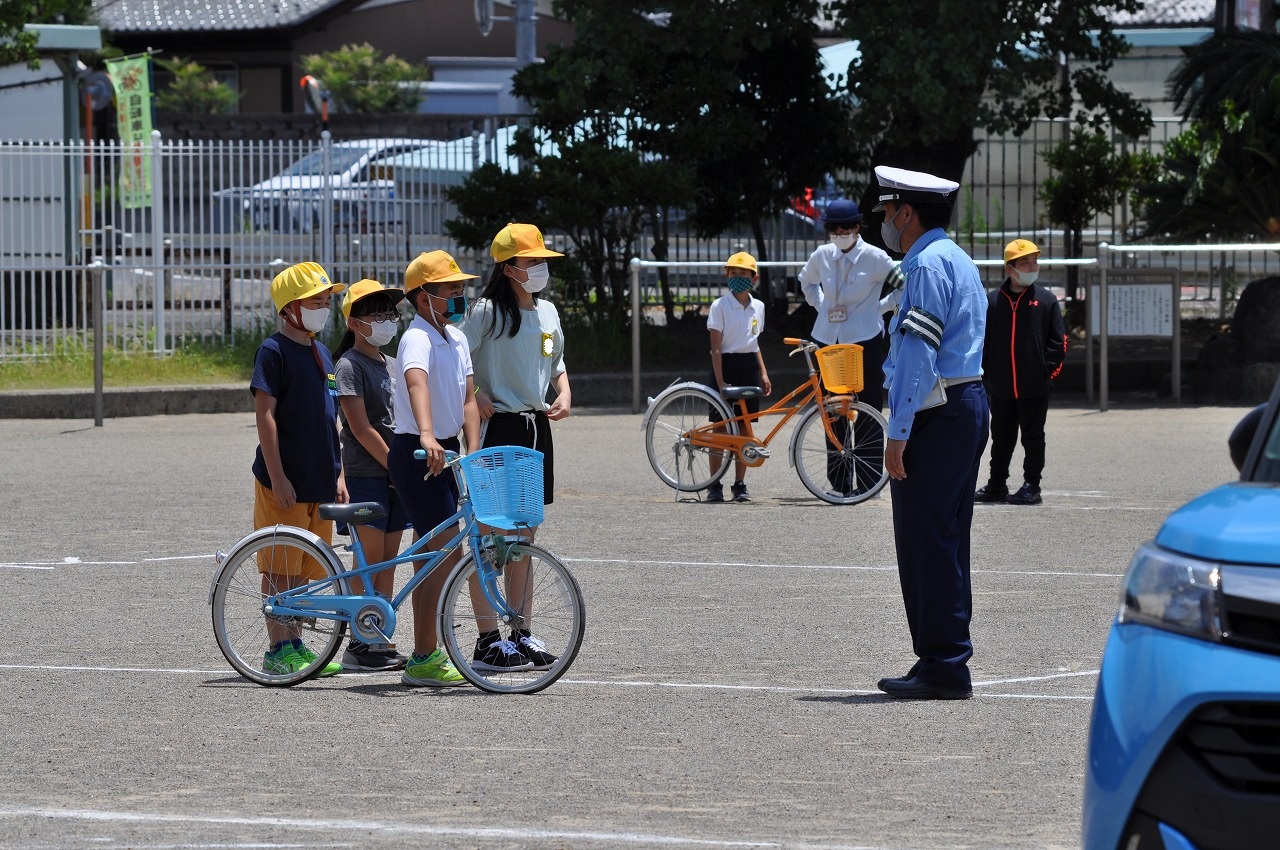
[288, 561]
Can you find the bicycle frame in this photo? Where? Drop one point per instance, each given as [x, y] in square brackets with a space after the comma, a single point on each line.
[309, 600]
[709, 437]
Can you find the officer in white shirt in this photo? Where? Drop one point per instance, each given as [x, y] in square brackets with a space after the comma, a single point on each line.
[843, 280]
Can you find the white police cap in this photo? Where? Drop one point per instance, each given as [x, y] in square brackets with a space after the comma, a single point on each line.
[899, 185]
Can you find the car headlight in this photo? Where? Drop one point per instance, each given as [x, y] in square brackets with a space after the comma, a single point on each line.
[1174, 592]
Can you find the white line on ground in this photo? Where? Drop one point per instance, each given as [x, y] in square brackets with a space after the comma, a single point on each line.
[632, 561]
[876, 568]
[505, 834]
[607, 683]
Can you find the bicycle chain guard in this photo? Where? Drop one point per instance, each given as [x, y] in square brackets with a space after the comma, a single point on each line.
[754, 454]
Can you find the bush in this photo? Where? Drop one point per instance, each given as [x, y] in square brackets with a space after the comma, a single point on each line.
[360, 81]
[194, 90]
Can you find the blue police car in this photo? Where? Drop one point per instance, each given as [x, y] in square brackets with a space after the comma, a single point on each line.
[1184, 744]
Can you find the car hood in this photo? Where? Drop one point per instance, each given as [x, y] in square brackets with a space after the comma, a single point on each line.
[1237, 523]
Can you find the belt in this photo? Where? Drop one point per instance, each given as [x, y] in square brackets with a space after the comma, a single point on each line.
[952, 382]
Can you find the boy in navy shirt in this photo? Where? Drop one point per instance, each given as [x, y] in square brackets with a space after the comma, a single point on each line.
[297, 466]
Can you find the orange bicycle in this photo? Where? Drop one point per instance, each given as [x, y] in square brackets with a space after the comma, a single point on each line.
[837, 448]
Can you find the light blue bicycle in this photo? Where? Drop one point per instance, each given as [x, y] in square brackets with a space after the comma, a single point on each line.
[284, 583]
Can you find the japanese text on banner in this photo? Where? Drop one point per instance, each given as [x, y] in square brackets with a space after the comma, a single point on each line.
[132, 81]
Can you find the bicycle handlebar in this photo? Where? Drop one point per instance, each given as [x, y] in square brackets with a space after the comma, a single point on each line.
[801, 345]
[450, 458]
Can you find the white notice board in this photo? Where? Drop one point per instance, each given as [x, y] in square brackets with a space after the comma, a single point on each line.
[1134, 309]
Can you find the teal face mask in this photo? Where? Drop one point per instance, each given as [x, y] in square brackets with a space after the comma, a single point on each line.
[455, 307]
[737, 283]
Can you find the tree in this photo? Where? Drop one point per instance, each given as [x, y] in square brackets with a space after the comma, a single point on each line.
[931, 71]
[725, 115]
[194, 90]
[19, 46]
[1090, 177]
[361, 81]
[1221, 178]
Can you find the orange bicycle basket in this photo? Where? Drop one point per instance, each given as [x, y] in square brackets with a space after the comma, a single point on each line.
[841, 368]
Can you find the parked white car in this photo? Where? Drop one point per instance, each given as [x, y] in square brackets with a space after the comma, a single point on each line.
[343, 175]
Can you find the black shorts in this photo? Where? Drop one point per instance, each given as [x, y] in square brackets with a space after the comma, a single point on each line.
[530, 429]
[428, 499]
[739, 370]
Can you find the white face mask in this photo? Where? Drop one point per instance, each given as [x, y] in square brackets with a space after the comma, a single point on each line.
[892, 235]
[1025, 278]
[315, 320]
[538, 277]
[381, 333]
[843, 241]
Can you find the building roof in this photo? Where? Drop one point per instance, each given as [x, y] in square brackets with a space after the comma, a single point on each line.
[207, 15]
[144, 16]
[1168, 13]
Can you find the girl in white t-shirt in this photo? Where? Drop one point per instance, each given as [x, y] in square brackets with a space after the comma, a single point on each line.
[517, 347]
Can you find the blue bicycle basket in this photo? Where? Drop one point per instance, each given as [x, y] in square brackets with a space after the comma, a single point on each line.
[505, 483]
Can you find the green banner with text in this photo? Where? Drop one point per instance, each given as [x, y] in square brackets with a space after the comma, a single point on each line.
[132, 81]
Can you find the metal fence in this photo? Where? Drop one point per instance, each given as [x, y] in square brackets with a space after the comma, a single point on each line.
[194, 258]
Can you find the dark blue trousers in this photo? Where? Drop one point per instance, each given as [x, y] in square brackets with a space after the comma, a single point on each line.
[932, 516]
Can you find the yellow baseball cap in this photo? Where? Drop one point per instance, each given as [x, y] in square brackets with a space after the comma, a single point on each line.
[433, 267]
[1019, 248]
[301, 280]
[520, 240]
[364, 288]
[742, 260]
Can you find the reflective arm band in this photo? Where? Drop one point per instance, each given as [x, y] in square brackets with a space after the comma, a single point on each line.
[924, 325]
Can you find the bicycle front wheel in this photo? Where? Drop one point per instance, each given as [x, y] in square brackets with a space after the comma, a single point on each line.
[679, 463]
[254, 640]
[850, 472]
[548, 625]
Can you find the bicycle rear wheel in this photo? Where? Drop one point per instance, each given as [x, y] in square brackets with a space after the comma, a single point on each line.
[855, 471]
[551, 612]
[264, 563]
[673, 414]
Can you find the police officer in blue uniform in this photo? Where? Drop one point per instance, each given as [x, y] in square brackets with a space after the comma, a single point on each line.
[938, 427]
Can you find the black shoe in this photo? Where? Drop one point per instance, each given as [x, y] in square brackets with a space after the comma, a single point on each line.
[715, 493]
[913, 688]
[497, 655]
[739, 491]
[1027, 495]
[991, 493]
[533, 649]
[361, 657]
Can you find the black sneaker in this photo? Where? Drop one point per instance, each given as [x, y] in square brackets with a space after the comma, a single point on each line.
[497, 655]
[533, 649]
[739, 491]
[1028, 494]
[991, 493]
[361, 657]
[715, 493]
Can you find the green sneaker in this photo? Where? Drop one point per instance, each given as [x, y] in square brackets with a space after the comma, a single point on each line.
[283, 660]
[333, 668]
[434, 670]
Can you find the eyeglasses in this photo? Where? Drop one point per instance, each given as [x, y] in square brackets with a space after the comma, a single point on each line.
[380, 317]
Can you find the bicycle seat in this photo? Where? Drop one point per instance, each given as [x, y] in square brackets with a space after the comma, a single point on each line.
[354, 513]
[735, 393]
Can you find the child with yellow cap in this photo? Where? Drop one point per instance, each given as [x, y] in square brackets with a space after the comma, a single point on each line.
[434, 404]
[517, 347]
[735, 321]
[366, 386]
[297, 465]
